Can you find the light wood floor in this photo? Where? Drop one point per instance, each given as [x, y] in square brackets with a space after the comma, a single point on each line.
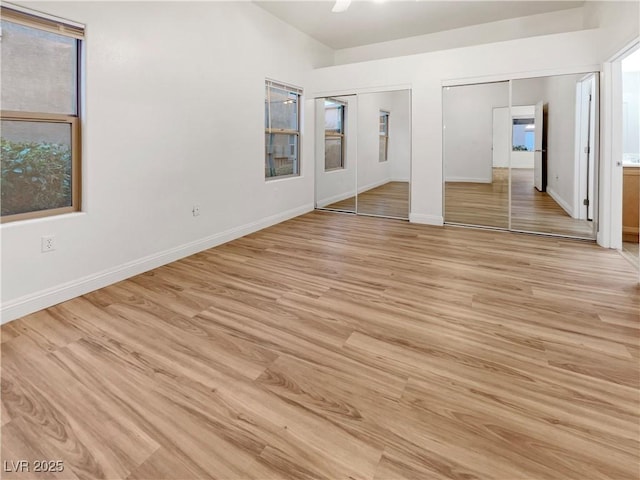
[339, 347]
[388, 200]
[631, 251]
[487, 204]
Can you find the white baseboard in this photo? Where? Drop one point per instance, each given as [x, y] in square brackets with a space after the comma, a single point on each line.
[560, 201]
[27, 304]
[338, 198]
[379, 183]
[335, 198]
[400, 179]
[468, 180]
[437, 220]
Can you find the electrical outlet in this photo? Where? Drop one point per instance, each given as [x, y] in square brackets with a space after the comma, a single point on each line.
[196, 210]
[48, 243]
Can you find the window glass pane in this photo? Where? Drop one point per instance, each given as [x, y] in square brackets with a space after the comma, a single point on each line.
[333, 153]
[384, 123]
[281, 156]
[382, 153]
[36, 166]
[333, 116]
[281, 108]
[38, 70]
[523, 134]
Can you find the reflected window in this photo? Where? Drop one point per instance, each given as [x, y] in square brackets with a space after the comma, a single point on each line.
[384, 136]
[334, 125]
[524, 131]
[282, 130]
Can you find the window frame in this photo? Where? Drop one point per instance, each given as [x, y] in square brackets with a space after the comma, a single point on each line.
[284, 131]
[384, 136]
[337, 135]
[58, 26]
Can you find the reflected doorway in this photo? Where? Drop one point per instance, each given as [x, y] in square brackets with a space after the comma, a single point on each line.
[520, 155]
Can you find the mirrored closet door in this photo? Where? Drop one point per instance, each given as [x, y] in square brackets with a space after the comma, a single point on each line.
[526, 163]
[336, 153]
[384, 153]
[476, 155]
[553, 174]
[363, 153]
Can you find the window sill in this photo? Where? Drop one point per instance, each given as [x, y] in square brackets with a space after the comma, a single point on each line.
[51, 218]
[281, 178]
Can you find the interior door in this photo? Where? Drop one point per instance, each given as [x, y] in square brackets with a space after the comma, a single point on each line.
[538, 180]
[593, 91]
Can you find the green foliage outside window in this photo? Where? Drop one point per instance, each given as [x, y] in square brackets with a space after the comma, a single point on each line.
[34, 176]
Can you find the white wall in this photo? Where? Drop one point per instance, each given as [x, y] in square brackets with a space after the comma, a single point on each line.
[336, 185]
[400, 136]
[618, 22]
[510, 29]
[468, 130]
[174, 117]
[631, 113]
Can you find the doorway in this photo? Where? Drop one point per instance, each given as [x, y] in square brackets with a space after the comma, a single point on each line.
[631, 156]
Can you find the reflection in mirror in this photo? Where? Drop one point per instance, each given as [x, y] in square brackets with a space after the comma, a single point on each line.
[631, 157]
[336, 148]
[384, 153]
[553, 183]
[476, 147]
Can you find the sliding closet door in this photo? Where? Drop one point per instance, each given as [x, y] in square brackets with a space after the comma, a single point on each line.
[384, 153]
[476, 154]
[553, 155]
[336, 153]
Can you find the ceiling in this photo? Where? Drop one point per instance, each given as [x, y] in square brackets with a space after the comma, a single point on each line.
[367, 22]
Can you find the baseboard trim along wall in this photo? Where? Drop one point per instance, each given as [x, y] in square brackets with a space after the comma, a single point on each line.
[560, 201]
[437, 220]
[335, 198]
[468, 180]
[22, 306]
[370, 186]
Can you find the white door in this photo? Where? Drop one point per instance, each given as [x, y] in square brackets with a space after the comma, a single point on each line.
[591, 172]
[537, 156]
[585, 147]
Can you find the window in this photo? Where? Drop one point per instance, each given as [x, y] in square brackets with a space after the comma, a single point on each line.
[524, 131]
[282, 130]
[334, 115]
[39, 119]
[384, 136]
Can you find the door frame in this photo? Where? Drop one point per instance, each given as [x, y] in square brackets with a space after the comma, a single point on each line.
[610, 231]
[585, 146]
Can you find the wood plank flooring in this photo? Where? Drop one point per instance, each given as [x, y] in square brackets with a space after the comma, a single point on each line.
[339, 347]
[631, 251]
[487, 204]
[388, 200]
